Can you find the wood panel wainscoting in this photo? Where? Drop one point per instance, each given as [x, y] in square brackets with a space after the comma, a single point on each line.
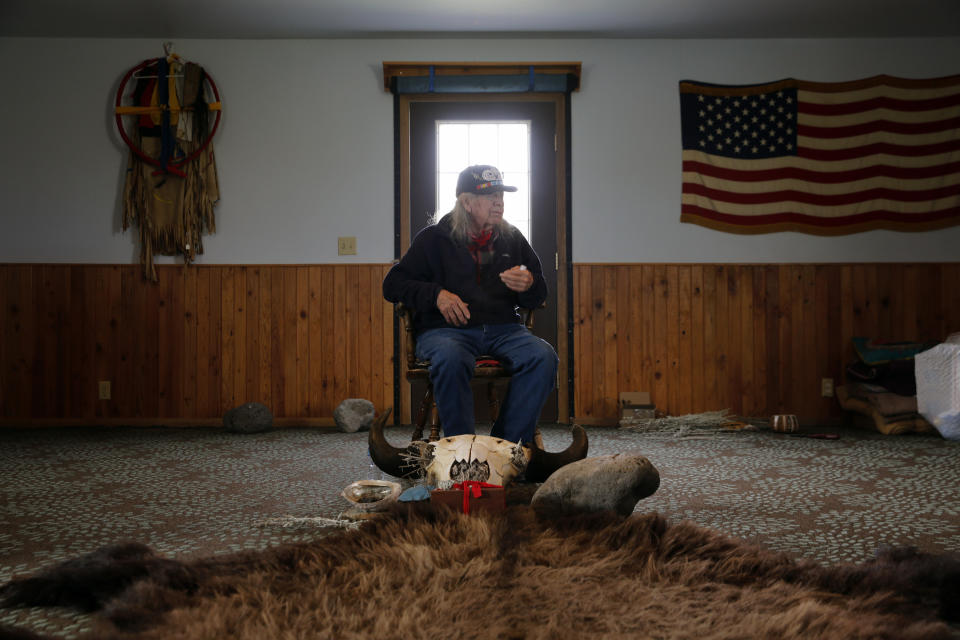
[202, 340]
[753, 338]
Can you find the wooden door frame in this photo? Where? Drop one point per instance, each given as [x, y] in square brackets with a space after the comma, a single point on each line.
[402, 141]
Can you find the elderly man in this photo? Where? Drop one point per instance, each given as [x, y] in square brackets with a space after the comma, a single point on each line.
[464, 277]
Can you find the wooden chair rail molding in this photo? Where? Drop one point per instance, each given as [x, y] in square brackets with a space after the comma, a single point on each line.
[752, 338]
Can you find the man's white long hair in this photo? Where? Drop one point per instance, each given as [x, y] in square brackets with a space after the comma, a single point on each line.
[460, 220]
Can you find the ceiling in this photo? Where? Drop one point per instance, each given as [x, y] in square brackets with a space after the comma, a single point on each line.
[490, 18]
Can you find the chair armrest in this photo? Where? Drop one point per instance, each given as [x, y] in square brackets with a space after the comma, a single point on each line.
[406, 324]
[526, 315]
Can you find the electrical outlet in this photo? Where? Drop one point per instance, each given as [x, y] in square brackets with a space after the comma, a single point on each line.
[104, 390]
[826, 387]
[347, 246]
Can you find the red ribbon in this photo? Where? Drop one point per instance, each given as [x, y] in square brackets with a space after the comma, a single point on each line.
[473, 487]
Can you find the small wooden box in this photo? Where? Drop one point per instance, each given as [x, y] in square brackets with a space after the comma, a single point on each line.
[491, 499]
[636, 405]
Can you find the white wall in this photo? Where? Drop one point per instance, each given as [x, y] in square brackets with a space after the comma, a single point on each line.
[305, 150]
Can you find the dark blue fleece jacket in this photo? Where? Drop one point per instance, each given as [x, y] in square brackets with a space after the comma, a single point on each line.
[435, 261]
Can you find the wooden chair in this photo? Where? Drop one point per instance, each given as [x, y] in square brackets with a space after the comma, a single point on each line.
[488, 370]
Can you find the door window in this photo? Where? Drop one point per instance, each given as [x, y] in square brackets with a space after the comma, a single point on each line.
[503, 144]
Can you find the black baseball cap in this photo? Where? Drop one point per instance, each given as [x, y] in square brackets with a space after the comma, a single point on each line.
[481, 178]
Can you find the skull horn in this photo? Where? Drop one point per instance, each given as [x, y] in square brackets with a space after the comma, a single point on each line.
[543, 463]
[388, 458]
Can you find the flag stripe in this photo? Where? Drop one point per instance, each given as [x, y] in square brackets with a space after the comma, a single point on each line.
[862, 218]
[692, 168]
[781, 182]
[879, 147]
[822, 211]
[823, 199]
[711, 162]
[860, 94]
[921, 142]
[878, 114]
[885, 81]
[895, 104]
[878, 126]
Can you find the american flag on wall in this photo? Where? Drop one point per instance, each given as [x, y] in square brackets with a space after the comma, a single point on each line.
[823, 158]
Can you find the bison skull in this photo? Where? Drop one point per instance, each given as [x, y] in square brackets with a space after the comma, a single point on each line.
[483, 458]
[469, 457]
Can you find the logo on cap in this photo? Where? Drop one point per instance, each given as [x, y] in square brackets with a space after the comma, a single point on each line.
[482, 178]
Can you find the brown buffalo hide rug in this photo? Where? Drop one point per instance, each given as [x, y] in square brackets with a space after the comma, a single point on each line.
[424, 573]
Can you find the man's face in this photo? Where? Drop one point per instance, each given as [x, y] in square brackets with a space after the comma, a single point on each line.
[486, 210]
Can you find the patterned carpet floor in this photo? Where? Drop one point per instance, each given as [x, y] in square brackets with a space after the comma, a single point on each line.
[198, 492]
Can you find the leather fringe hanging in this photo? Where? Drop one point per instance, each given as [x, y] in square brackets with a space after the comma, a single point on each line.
[171, 184]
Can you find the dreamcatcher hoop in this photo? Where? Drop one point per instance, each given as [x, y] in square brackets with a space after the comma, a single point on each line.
[119, 111]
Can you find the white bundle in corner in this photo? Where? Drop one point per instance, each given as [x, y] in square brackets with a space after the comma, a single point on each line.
[938, 386]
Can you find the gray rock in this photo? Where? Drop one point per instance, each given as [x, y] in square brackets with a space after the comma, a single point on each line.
[251, 417]
[615, 482]
[354, 414]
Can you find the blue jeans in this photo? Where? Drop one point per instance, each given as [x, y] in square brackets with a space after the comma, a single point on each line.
[452, 353]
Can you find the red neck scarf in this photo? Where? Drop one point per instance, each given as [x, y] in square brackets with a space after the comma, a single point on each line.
[481, 246]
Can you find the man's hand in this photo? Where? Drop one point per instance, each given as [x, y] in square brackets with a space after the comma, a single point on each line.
[517, 279]
[453, 309]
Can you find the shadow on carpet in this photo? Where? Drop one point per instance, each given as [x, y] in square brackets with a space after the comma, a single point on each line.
[419, 572]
